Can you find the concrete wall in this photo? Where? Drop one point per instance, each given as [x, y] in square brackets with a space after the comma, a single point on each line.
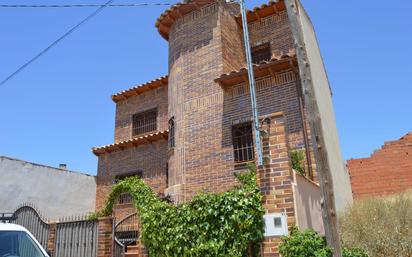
[307, 201]
[319, 88]
[55, 192]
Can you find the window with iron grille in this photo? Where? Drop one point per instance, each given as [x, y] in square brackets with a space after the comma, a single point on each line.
[242, 137]
[144, 122]
[261, 53]
[126, 197]
[171, 137]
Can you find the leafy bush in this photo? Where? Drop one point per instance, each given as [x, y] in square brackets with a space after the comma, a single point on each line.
[221, 224]
[298, 157]
[310, 244]
[304, 244]
[382, 226]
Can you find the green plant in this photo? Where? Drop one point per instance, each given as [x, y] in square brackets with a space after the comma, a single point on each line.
[310, 244]
[304, 244]
[380, 225]
[219, 224]
[298, 157]
[354, 252]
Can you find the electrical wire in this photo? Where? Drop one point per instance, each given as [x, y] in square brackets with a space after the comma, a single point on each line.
[54, 43]
[80, 5]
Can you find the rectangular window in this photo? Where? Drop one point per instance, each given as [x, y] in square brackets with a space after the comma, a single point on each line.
[242, 137]
[261, 53]
[144, 122]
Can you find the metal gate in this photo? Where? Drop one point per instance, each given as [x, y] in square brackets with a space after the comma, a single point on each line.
[126, 232]
[28, 217]
[76, 238]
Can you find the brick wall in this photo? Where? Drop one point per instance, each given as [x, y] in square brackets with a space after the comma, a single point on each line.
[387, 171]
[275, 179]
[150, 158]
[197, 55]
[274, 29]
[272, 95]
[105, 237]
[156, 98]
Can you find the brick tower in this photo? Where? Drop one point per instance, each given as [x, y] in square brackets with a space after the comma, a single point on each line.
[204, 42]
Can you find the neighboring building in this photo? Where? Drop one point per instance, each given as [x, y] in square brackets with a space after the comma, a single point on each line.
[57, 192]
[387, 171]
[189, 131]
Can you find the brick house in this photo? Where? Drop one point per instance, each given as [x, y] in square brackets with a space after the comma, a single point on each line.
[189, 131]
[387, 171]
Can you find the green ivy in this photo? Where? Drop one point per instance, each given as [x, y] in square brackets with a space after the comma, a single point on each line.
[214, 224]
[298, 157]
[310, 244]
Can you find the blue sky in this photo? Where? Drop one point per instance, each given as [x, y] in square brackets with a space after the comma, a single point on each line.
[59, 107]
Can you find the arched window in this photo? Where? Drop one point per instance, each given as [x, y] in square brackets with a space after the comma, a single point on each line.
[171, 140]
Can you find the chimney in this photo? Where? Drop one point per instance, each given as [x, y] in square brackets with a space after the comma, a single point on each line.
[63, 166]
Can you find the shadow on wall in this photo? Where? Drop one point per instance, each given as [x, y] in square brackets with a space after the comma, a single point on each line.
[194, 39]
[308, 207]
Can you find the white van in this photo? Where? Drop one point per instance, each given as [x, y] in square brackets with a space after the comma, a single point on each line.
[16, 241]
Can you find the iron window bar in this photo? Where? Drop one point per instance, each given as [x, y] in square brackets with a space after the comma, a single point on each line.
[144, 122]
[242, 137]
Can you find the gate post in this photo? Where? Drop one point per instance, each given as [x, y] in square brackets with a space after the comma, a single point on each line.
[105, 237]
[275, 179]
[51, 240]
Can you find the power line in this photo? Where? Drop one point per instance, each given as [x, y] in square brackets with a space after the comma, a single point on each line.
[80, 5]
[97, 11]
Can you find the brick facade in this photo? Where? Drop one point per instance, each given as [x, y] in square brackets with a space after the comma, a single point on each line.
[206, 94]
[275, 178]
[149, 158]
[387, 171]
[156, 98]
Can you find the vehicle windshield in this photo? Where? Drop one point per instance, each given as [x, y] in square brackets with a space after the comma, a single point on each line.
[18, 244]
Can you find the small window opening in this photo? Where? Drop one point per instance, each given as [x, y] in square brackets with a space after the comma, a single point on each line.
[261, 53]
[242, 138]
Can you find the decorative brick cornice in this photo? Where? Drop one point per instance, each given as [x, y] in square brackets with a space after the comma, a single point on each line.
[262, 11]
[168, 17]
[139, 89]
[260, 70]
[146, 139]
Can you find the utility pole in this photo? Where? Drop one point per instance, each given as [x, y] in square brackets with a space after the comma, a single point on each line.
[251, 77]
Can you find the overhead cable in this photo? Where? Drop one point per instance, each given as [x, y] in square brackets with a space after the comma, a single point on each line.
[80, 5]
[54, 43]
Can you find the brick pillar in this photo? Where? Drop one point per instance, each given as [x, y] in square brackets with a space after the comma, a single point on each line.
[275, 178]
[105, 237]
[142, 250]
[51, 240]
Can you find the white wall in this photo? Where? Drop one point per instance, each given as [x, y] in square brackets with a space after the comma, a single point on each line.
[55, 192]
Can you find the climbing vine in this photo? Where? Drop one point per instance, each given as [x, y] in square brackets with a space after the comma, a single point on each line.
[298, 158]
[212, 224]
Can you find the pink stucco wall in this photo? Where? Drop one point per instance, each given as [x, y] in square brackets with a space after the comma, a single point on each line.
[307, 201]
